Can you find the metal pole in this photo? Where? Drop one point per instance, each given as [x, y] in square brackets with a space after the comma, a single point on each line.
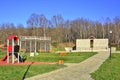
[30, 46]
[110, 49]
[12, 51]
[7, 51]
[45, 46]
[110, 44]
[35, 44]
[50, 46]
[20, 48]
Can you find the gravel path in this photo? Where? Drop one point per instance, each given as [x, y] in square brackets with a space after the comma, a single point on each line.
[80, 71]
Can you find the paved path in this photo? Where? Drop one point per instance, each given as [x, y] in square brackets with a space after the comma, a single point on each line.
[80, 71]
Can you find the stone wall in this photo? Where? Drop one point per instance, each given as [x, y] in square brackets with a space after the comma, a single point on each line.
[98, 45]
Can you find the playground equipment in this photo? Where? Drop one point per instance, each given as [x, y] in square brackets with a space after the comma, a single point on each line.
[13, 50]
[34, 44]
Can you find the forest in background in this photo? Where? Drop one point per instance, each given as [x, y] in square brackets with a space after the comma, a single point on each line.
[61, 30]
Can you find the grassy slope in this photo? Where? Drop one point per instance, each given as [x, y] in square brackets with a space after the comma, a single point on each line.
[110, 70]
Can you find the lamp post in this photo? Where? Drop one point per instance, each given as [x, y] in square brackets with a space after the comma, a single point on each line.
[110, 42]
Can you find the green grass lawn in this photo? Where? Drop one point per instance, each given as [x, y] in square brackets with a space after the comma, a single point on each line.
[69, 58]
[17, 72]
[110, 70]
[118, 48]
[2, 54]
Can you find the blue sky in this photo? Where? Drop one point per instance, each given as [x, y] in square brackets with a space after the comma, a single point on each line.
[18, 11]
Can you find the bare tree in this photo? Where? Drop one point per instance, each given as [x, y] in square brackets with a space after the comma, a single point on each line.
[57, 23]
[63, 31]
[33, 23]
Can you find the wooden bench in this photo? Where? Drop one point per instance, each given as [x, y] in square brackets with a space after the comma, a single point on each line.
[41, 51]
[63, 53]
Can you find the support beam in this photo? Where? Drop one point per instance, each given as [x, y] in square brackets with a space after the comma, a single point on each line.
[7, 51]
[13, 51]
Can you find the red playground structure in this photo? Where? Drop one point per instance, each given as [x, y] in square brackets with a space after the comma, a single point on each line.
[12, 50]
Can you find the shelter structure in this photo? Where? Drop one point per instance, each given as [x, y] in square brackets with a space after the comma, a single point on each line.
[35, 44]
[91, 44]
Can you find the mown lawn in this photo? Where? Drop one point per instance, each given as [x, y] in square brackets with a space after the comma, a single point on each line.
[118, 48]
[110, 70]
[18, 72]
[2, 54]
[69, 58]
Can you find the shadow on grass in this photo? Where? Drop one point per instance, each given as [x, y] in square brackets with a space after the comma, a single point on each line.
[26, 71]
[113, 57]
